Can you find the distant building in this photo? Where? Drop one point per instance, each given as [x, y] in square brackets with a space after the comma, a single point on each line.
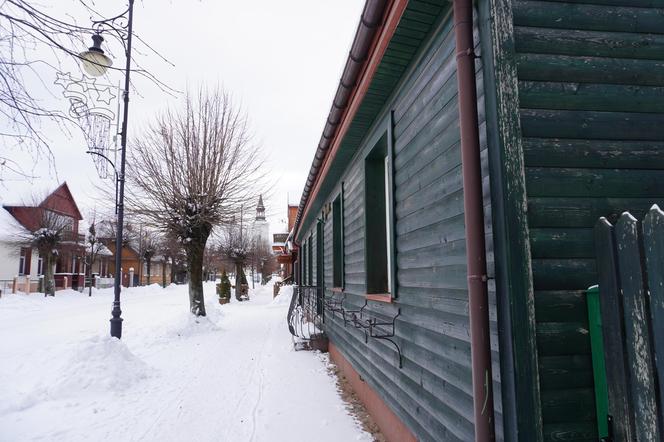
[279, 242]
[282, 246]
[25, 262]
[133, 263]
[260, 228]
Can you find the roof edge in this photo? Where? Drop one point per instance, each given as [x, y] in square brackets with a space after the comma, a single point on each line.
[377, 25]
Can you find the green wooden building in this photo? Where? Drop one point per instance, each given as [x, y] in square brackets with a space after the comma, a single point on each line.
[570, 107]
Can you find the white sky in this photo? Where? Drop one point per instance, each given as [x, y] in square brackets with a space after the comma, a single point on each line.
[280, 60]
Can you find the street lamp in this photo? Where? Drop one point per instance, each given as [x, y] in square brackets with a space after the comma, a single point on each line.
[96, 63]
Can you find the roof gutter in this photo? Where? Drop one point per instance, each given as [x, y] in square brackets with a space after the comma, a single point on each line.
[473, 204]
[377, 25]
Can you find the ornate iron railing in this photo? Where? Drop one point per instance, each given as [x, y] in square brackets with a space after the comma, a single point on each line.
[305, 313]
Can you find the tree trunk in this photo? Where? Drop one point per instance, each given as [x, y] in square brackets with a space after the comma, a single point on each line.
[195, 252]
[49, 278]
[149, 264]
[172, 270]
[91, 261]
[238, 281]
[163, 272]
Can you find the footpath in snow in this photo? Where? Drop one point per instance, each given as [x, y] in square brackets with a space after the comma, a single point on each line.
[231, 376]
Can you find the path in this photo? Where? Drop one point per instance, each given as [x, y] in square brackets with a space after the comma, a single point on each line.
[232, 376]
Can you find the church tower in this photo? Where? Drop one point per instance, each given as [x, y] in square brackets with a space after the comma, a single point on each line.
[260, 209]
[261, 228]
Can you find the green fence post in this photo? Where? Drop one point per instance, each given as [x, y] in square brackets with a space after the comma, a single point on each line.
[599, 368]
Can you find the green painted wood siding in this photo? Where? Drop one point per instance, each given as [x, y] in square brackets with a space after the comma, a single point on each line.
[591, 88]
[432, 393]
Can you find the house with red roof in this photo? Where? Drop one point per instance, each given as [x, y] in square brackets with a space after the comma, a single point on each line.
[21, 265]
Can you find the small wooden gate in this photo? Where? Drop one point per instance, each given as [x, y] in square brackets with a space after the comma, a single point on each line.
[630, 258]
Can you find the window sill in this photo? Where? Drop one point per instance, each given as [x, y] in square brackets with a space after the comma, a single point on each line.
[337, 289]
[380, 297]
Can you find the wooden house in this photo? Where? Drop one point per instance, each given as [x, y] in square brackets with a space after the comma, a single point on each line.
[25, 262]
[568, 127]
[133, 263]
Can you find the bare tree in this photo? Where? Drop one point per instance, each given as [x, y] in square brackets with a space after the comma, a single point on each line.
[148, 249]
[263, 259]
[94, 246]
[107, 231]
[35, 44]
[52, 229]
[213, 261]
[171, 251]
[190, 172]
[236, 246]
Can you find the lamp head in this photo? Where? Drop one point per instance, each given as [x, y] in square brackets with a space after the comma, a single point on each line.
[95, 62]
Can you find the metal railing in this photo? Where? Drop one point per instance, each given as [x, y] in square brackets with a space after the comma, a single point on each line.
[68, 236]
[6, 286]
[305, 313]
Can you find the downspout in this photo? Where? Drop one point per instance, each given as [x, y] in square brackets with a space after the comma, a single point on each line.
[478, 301]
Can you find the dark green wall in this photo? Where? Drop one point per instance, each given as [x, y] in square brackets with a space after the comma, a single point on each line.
[591, 91]
[432, 392]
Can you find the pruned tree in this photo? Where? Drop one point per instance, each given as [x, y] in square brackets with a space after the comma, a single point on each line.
[93, 246]
[264, 260]
[107, 230]
[47, 238]
[171, 251]
[190, 172]
[236, 246]
[148, 248]
[212, 261]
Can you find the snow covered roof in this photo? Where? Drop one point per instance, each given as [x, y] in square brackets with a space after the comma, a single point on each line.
[10, 228]
[101, 251]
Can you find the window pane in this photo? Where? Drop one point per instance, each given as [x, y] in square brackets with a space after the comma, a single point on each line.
[376, 251]
[337, 249]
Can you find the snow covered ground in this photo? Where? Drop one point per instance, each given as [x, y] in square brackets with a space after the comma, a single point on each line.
[231, 376]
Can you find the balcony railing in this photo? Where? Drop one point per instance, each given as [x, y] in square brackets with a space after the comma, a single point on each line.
[68, 236]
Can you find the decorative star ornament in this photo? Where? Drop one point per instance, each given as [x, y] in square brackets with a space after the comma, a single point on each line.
[105, 95]
[63, 79]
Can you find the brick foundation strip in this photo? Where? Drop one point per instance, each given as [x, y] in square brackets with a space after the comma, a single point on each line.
[390, 425]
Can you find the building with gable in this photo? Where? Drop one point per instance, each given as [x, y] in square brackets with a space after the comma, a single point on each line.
[24, 262]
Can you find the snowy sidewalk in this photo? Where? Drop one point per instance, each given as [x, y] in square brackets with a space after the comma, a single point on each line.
[232, 376]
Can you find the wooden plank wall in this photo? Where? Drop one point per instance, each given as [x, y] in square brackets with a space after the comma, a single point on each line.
[432, 392]
[591, 87]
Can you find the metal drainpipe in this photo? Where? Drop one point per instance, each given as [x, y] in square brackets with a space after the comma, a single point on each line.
[478, 302]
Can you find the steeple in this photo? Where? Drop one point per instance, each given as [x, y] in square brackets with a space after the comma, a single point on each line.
[260, 209]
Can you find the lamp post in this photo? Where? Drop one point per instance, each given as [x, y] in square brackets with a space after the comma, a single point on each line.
[96, 63]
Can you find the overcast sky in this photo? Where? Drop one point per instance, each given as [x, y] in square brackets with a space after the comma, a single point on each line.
[280, 60]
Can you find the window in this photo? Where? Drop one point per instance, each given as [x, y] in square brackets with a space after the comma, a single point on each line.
[304, 263]
[310, 267]
[21, 263]
[320, 257]
[379, 233]
[40, 263]
[337, 243]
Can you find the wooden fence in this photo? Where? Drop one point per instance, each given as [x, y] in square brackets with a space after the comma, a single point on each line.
[630, 259]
